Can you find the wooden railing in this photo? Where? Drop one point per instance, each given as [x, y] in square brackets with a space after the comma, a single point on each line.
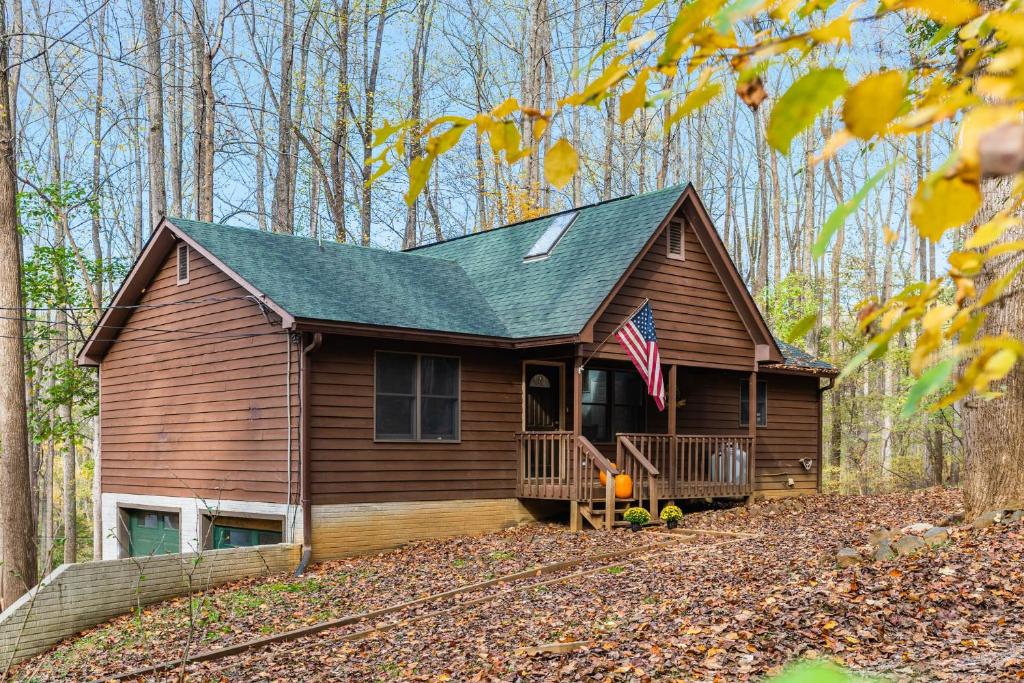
[698, 466]
[630, 460]
[545, 465]
[589, 490]
[556, 465]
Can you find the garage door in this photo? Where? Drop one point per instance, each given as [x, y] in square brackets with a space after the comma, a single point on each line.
[152, 533]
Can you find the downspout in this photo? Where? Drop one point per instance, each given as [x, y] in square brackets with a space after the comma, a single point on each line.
[304, 456]
[821, 412]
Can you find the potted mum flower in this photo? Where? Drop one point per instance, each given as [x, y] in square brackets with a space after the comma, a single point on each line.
[636, 517]
[671, 514]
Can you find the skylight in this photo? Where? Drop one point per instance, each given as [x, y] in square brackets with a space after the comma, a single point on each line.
[547, 241]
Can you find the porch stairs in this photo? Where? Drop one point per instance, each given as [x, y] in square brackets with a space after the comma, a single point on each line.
[594, 513]
[560, 465]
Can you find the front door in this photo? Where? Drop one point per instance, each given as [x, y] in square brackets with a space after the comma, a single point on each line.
[545, 399]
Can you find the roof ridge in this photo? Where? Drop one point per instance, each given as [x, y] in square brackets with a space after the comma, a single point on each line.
[540, 218]
[322, 244]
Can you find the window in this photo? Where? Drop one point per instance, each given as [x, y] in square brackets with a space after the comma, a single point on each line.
[676, 245]
[182, 264]
[550, 237]
[227, 531]
[417, 397]
[613, 403]
[762, 403]
[238, 537]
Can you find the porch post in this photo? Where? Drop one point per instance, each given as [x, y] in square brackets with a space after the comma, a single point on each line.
[577, 395]
[672, 399]
[752, 427]
[674, 460]
[575, 518]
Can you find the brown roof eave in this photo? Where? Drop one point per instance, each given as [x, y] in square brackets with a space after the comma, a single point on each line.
[781, 369]
[159, 245]
[411, 334]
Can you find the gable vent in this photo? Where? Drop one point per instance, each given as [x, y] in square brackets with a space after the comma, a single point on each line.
[675, 240]
[547, 241]
[182, 264]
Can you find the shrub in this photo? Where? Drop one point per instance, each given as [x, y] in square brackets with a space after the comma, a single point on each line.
[637, 516]
[671, 513]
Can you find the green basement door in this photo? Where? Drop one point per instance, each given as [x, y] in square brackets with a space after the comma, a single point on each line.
[152, 533]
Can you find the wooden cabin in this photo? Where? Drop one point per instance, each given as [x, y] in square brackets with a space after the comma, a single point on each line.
[257, 387]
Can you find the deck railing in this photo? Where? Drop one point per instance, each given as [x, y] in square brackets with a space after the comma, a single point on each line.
[698, 465]
[545, 465]
[557, 465]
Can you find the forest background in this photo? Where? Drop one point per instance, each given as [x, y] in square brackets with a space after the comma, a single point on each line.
[264, 114]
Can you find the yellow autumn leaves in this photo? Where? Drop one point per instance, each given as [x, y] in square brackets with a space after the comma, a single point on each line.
[982, 88]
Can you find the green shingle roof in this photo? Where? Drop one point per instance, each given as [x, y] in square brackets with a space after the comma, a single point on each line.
[477, 284]
[798, 358]
[345, 283]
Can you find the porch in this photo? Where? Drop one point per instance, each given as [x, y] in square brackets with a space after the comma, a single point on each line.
[560, 465]
[620, 430]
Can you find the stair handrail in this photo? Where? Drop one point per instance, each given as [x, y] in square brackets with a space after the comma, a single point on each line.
[595, 456]
[638, 456]
[624, 444]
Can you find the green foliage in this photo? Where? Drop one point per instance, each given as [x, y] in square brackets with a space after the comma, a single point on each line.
[928, 383]
[817, 672]
[800, 105]
[791, 306]
[637, 515]
[671, 513]
[50, 282]
[501, 555]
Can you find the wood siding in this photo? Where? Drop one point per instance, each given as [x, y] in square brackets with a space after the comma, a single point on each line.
[348, 466]
[202, 416]
[696, 321]
[713, 407]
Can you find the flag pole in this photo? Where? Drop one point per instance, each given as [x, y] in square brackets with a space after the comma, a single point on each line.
[609, 335]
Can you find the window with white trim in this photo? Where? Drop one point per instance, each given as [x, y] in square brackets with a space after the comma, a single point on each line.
[416, 397]
[183, 263]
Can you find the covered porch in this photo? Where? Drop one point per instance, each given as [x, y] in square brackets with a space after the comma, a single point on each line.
[582, 427]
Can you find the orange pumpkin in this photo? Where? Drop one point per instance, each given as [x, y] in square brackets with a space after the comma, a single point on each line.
[602, 476]
[623, 486]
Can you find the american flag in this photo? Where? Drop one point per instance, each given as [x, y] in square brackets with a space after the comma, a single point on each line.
[638, 338]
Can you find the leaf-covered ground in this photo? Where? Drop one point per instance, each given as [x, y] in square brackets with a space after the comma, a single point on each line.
[716, 610]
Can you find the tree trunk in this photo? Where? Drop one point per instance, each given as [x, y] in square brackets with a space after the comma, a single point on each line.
[339, 141]
[761, 271]
[154, 111]
[370, 80]
[175, 105]
[203, 114]
[994, 430]
[280, 220]
[413, 150]
[17, 551]
[62, 230]
[97, 132]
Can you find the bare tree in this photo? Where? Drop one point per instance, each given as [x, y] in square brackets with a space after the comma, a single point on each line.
[154, 110]
[17, 549]
[371, 71]
[280, 216]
